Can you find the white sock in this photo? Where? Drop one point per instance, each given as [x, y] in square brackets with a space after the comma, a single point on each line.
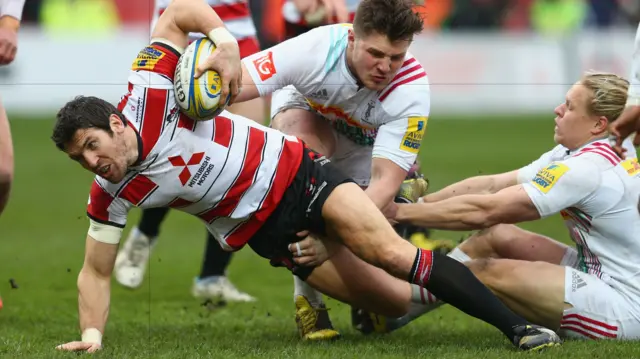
[459, 255]
[301, 287]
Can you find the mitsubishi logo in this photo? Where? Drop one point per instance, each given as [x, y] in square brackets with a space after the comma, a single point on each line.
[178, 161]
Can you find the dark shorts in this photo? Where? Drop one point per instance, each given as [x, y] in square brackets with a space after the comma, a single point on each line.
[300, 209]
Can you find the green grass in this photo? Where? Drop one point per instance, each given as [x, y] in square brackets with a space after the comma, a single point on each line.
[42, 240]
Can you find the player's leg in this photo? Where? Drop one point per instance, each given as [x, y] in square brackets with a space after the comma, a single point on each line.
[292, 116]
[212, 283]
[133, 257]
[354, 219]
[500, 241]
[512, 242]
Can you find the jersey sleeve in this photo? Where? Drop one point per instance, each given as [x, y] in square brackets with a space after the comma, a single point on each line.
[104, 208]
[155, 66]
[526, 173]
[562, 184]
[292, 62]
[407, 107]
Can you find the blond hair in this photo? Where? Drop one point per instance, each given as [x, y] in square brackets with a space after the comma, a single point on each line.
[609, 94]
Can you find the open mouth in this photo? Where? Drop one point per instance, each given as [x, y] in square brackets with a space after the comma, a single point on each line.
[104, 170]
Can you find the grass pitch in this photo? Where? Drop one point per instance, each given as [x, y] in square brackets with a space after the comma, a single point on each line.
[41, 249]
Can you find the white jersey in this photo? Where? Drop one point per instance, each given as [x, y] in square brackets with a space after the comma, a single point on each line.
[291, 14]
[230, 172]
[597, 195]
[393, 120]
[234, 13]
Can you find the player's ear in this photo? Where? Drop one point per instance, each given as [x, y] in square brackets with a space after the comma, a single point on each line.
[601, 125]
[351, 36]
[116, 123]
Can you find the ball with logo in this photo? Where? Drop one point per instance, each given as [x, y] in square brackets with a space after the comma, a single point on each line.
[198, 98]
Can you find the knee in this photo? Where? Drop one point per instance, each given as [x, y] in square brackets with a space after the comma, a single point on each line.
[489, 243]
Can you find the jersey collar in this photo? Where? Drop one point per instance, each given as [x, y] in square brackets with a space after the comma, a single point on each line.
[599, 141]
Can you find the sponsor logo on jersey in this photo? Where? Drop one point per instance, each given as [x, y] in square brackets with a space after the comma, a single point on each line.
[577, 282]
[265, 66]
[413, 137]
[547, 177]
[631, 166]
[147, 58]
[196, 159]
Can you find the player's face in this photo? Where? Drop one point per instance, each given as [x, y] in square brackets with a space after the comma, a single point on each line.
[375, 59]
[100, 152]
[574, 123]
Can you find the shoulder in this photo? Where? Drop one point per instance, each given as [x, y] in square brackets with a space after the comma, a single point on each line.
[408, 93]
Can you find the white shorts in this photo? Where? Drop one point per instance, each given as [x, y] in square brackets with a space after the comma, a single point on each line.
[352, 159]
[599, 310]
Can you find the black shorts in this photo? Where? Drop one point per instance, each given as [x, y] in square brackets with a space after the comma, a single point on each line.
[299, 209]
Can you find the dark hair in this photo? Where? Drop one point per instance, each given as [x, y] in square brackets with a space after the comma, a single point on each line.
[394, 18]
[81, 113]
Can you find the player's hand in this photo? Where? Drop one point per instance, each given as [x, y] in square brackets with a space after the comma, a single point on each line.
[318, 11]
[625, 125]
[8, 39]
[80, 346]
[225, 60]
[308, 252]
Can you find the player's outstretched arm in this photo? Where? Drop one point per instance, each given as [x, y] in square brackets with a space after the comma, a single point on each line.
[94, 292]
[10, 16]
[472, 211]
[475, 185]
[6, 159]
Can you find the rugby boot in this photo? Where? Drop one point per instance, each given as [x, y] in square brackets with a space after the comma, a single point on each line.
[313, 323]
[534, 337]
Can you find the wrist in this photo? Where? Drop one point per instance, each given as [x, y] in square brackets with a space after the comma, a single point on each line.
[220, 35]
[9, 22]
[92, 335]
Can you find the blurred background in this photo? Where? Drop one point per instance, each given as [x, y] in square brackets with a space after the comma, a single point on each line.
[497, 69]
[500, 56]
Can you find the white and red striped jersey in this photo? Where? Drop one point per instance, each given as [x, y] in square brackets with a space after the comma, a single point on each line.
[291, 14]
[234, 13]
[393, 120]
[597, 195]
[230, 172]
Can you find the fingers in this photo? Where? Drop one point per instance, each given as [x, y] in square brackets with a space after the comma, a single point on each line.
[76, 346]
[329, 8]
[235, 90]
[342, 13]
[302, 234]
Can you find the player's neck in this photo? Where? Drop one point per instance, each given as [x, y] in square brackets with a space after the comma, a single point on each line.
[132, 145]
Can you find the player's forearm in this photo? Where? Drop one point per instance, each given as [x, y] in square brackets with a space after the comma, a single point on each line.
[6, 160]
[93, 300]
[461, 213]
[381, 192]
[473, 185]
[194, 16]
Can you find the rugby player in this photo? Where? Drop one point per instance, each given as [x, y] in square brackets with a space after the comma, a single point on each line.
[258, 187]
[133, 257]
[361, 99]
[10, 16]
[591, 290]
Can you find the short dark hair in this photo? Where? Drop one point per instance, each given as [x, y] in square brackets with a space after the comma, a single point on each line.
[81, 113]
[394, 18]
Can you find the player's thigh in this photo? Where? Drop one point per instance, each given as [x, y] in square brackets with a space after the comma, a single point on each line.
[354, 219]
[534, 290]
[512, 242]
[598, 311]
[347, 278]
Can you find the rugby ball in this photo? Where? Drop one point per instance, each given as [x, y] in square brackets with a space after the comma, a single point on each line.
[198, 98]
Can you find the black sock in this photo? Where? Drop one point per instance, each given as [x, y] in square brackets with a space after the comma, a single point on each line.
[150, 222]
[215, 260]
[453, 283]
